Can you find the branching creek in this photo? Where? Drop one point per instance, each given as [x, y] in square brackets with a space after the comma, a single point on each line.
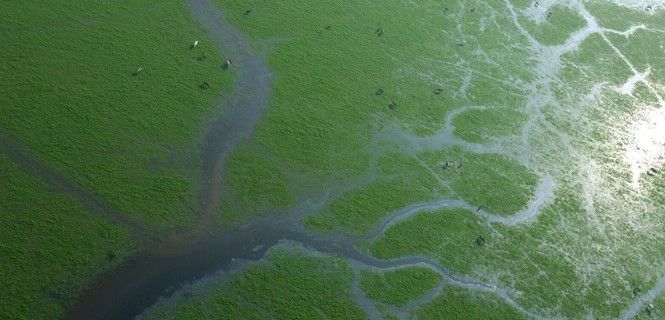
[166, 266]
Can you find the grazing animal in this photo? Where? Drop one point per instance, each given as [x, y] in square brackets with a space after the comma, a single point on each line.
[392, 105]
[438, 91]
[205, 85]
[480, 241]
[379, 32]
[379, 92]
[247, 12]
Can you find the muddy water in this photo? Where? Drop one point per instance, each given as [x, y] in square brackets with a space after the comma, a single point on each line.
[184, 257]
[243, 107]
[139, 284]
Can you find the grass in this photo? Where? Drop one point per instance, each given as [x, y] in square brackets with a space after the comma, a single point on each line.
[534, 259]
[483, 126]
[300, 285]
[458, 304]
[44, 266]
[559, 22]
[606, 14]
[432, 239]
[71, 97]
[400, 286]
[403, 181]
[576, 257]
[69, 93]
[320, 122]
[494, 182]
[256, 183]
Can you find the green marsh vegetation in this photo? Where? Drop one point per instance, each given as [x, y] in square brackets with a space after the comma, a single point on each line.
[360, 92]
[554, 25]
[559, 262]
[400, 286]
[52, 248]
[322, 123]
[257, 184]
[70, 94]
[541, 122]
[459, 303]
[403, 181]
[292, 283]
[108, 94]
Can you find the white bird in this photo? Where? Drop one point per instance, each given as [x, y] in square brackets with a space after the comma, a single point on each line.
[196, 43]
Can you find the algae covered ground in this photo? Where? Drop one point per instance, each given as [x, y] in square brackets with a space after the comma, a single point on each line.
[419, 160]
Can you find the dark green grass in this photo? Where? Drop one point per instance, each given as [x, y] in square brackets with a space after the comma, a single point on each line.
[257, 184]
[400, 286]
[293, 284]
[51, 248]
[429, 234]
[461, 304]
[69, 93]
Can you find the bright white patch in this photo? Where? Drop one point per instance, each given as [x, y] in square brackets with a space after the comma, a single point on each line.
[647, 147]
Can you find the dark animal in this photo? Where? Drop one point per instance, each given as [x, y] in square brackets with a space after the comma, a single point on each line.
[480, 241]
